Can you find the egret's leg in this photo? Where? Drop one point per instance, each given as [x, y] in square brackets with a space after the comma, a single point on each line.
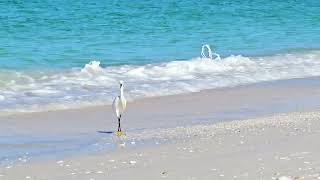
[119, 128]
[120, 122]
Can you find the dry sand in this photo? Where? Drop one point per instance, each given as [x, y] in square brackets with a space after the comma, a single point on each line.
[263, 148]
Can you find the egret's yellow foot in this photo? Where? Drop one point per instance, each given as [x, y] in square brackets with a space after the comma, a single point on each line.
[120, 133]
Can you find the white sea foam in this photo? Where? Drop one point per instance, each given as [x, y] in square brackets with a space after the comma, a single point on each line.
[96, 85]
[92, 68]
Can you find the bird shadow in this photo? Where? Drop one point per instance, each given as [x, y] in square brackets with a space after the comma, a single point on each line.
[106, 132]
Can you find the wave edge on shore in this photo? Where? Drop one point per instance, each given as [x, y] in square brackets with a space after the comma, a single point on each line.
[39, 90]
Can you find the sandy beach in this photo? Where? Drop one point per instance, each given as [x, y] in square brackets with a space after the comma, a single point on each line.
[259, 131]
[263, 148]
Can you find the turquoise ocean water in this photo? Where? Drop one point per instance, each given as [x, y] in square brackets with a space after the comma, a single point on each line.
[63, 54]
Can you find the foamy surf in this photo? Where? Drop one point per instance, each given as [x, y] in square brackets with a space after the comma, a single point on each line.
[29, 91]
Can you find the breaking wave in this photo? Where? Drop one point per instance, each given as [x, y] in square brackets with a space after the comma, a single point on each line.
[25, 91]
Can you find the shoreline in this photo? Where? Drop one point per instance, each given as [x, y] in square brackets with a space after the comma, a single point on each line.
[44, 98]
[66, 131]
[282, 83]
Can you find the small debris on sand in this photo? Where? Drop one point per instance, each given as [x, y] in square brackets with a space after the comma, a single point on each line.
[59, 162]
[133, 162]
[164, 172]
[284, 178]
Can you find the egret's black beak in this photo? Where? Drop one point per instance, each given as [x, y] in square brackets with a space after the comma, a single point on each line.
[120, 85]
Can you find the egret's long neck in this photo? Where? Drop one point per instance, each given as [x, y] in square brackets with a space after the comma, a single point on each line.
[121, 91]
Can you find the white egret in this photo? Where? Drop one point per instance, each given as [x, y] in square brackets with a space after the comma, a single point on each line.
[119, 105]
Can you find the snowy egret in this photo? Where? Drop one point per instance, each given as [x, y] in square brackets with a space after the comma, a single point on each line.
[119, 105]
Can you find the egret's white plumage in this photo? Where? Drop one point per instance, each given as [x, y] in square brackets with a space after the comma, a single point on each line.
[119, 104]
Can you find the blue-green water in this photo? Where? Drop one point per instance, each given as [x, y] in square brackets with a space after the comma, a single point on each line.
[152, 45]
[71, 33]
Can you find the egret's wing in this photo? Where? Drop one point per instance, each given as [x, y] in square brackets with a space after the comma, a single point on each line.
[115, 105]
[124, 103]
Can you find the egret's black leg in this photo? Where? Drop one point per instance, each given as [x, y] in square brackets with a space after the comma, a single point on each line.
[119, 128]
[120, 122]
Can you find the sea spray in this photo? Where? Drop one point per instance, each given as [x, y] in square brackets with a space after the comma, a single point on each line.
[211, 55]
